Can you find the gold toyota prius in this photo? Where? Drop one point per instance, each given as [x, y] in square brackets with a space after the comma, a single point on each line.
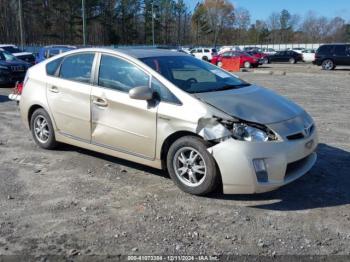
[169, 110]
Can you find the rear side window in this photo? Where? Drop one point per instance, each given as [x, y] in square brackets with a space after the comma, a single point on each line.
[325, 50]
[120, 75]
[77, 67]
[51, 68]
[340, 50]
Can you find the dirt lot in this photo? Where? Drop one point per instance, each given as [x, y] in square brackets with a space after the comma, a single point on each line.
[72, 201]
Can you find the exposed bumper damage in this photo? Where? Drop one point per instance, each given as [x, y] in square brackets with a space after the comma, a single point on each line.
[211, 129]
[282, 161]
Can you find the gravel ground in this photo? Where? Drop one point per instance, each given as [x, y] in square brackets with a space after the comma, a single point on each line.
[72, 201]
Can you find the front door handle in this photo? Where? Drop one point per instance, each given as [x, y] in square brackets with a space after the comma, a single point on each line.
[100, 101]
[54, 89]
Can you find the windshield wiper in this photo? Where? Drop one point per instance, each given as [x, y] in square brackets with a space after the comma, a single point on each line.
[228, 87]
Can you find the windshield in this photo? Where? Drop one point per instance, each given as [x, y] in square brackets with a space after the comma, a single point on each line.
[193, 75]
[5, 56]
[12, 49]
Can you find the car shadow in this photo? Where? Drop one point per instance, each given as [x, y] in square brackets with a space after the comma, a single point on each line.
[326, 185]
[114, 160]
[342, 69]
[4, 99]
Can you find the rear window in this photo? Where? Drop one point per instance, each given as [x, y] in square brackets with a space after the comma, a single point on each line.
[325, 49]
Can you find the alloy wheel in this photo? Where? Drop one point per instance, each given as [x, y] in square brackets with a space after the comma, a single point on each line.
[41, 129]
[189, 166]
[328, 65]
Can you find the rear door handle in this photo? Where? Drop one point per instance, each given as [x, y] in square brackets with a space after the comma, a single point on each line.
[100, 101]
[54, 89]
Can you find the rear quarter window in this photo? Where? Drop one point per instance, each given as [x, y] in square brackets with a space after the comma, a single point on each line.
[51, 68]
[340, 50]
[325, 50]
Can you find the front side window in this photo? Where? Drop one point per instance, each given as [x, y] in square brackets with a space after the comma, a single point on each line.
[193, 75]
[120, 75]
[348, 50]
[227, 54]
[77, 67]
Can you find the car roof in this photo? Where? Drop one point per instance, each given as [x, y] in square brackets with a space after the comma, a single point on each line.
[4, 45]
[335, 44]
[144, 53]
[59, 46]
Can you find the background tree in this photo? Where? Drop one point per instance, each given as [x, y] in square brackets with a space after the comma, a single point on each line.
[129, 22]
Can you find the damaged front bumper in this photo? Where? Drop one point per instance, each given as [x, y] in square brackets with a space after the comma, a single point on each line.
[284, 162]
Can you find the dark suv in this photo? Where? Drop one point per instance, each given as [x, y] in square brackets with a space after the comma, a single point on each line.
[332, 55]
[12, 69]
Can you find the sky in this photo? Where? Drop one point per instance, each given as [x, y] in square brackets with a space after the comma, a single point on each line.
[261, 9]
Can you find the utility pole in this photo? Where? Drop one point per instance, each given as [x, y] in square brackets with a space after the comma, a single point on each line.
[20, 16]
[84, 21]
[153, 23]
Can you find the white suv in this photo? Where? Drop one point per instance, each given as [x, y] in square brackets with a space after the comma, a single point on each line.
[204, 53]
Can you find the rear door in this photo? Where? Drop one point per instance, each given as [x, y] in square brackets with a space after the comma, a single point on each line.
[68, 93]
[340, 55]
[347, 55]
[119, 122]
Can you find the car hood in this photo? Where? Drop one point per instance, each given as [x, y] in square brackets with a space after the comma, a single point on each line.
[253, 104]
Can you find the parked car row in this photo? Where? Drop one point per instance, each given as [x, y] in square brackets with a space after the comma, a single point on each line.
[246, 60]
[14, 62]
[25, 56]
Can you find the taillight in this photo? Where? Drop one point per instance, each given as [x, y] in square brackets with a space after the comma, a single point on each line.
[18, 88]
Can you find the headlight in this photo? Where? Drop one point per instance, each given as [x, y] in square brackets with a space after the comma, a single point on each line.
[248, 133]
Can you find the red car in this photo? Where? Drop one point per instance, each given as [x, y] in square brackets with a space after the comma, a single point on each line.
[247, 61]
[264, 59]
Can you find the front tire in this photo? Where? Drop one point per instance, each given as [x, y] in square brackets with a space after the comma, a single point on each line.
[191, 167]
[247, 64]
[42, 129]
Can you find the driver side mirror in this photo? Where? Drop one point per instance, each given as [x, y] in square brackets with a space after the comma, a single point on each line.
[141, 93]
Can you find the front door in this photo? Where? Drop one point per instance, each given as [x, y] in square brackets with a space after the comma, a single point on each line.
[119, 122]
[68, 94]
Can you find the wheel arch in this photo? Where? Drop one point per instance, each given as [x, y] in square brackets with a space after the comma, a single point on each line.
[169, 141]
[31, 110]
[174, 137]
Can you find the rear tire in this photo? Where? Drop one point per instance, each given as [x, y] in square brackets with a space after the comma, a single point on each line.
[191, 166]
[205, 58]
[292, 60]
[219, 64]
[42, 129]
[328, 64]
